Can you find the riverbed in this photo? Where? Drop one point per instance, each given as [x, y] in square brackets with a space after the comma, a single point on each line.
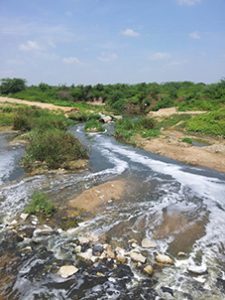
[180, 208]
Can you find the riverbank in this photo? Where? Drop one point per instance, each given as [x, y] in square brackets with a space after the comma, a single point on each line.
[170, 144]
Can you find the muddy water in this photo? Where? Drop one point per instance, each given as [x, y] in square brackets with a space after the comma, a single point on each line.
[181, 208]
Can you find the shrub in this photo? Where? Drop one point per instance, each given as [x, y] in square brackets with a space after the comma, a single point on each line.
[13, 85]
[54, 148]
[40, 204]
[22, 122]
[187, 140]
[94, 125]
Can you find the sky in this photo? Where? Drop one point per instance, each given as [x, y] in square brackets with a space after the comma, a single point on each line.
[110, 41]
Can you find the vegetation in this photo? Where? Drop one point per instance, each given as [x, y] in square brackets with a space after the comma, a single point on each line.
[123, 98]
[212, 123]
[40, 204]
[187, 140]
[93, 125]
[53, 147]
[127, 128]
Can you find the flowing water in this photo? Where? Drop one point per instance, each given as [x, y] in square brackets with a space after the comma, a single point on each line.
[180, 207]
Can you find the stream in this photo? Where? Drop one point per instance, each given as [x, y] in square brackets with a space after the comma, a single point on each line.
[181, 208]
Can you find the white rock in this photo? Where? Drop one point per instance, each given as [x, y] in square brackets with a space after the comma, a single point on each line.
[43, 230]
[77, 249]
[14, 222]
[83, 240]
[198, 270]
[134, 245]
[24, 216]
[149, 270]
[67, 271]
[121, 259]
[164, 259]
[85, 255]
[137, 257]
[146, 243]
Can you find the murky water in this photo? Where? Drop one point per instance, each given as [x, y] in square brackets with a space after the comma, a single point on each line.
[181, 208]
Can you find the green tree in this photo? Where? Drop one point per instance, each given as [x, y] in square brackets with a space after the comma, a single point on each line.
[12, 85]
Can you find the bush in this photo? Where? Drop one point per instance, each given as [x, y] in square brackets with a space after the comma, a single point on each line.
[54, 148]
[21, 121]
[94, 125]
[187, 140]
[40, 204]
[6, 119]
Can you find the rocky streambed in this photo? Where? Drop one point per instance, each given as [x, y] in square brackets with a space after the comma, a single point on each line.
[153, 229]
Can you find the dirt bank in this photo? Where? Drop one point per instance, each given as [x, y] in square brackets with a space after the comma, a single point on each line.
[169, 144]
[168, 112]
[49, 106]
[98, 196]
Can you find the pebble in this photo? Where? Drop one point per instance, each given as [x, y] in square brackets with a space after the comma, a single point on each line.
[87, 255]
[67, 271]
[146, 243]
[83, 240]
[164, 259]
[198, 270]
[24, 216]
[137, 257]
[121, 259]
[78, 249]
[149, 270]
[43, 230]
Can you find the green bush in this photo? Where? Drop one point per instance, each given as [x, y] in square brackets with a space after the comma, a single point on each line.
[212, 123]
[54, 148]
[187, 140]
[40, 204]
[10, 86]
[6, 119]
[22, 122]
[93, 125]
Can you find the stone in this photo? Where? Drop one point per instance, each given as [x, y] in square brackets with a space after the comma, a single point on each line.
[134, 245]
[182, 254]
[43, 230]
[97, 249]
[147, 243]
[78, 249]
[86, 256]
[13, 223]
[83, 240]
[198, 270]
[109, 252]
[67, 271]
[121, 259]
[148, 270]
[164, 259]
[137, 257]
[24, 216]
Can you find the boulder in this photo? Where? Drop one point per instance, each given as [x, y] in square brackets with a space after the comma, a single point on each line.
[67, 271]
[198, 270]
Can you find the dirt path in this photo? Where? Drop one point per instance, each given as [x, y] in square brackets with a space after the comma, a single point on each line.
[169, 145]
[49, 106]
[167, 112]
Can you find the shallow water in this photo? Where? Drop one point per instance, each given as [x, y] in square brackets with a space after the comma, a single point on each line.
[182, 208]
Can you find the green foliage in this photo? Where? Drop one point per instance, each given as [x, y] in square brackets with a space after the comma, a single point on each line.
[174, 120]
[93, 125]
[53, 147]
[212, 123]
[40, 204]
[10, 86]
[127, 128]
[187, 140]
[6, 119]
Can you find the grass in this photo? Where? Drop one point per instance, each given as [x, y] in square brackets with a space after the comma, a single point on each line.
[187, 140]
[93, 126]
[40, 204]
[174, 120]
[212, 123]
[127, 128]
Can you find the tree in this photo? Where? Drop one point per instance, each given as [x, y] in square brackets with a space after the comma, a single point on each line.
[10, 86]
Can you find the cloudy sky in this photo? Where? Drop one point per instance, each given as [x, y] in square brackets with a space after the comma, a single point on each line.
[108, 41]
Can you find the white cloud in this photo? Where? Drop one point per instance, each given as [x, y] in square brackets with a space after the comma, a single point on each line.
[188, 2]
[71, 60]
[107, 57]
[130, 32]
[195, 35]
[159, 56]
[30, 46]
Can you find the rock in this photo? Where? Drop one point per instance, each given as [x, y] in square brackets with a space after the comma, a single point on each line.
[24, 216]
[120, 251]
[43, 230]
[198, 270]
[164, 259]
[109, 252]
[97, 249]
[13, 223]
[86, 256]
[137, 257]
[149, 270]
[83, 240]
[182, 254]
[67, 271]
[78, 249]
[147, 243]
[134, 245]
[105, 119]
[121, 259]
[132, 241]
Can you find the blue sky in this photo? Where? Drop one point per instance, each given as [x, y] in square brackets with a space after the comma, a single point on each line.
[108, 41]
